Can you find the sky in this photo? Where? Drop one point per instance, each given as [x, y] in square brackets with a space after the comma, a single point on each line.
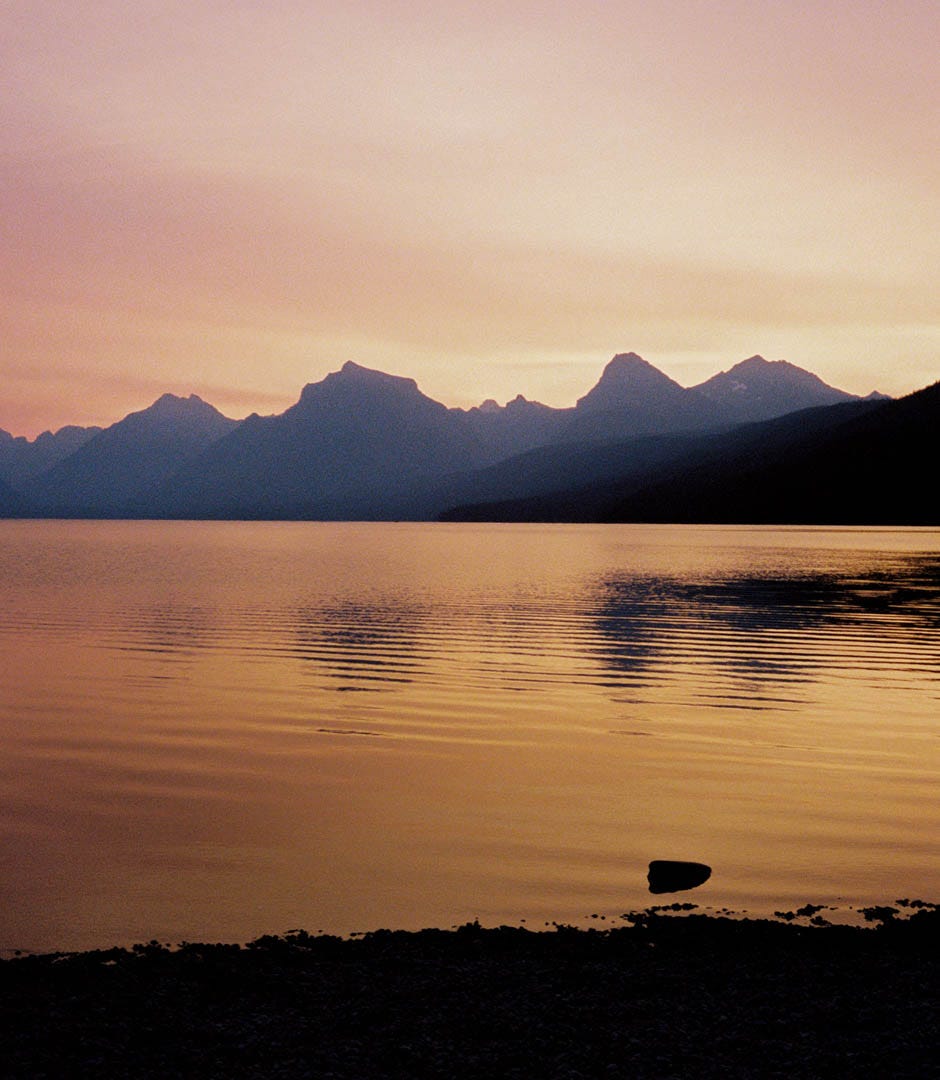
[233, 199]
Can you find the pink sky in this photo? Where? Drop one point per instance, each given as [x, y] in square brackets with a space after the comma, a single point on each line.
[233, 199]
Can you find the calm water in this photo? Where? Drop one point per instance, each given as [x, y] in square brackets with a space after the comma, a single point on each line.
[213, 731]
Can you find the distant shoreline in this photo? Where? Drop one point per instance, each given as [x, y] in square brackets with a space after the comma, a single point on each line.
[696, 995]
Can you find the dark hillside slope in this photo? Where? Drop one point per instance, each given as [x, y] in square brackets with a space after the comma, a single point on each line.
[560, 467]
[695, 464]
[875, 468]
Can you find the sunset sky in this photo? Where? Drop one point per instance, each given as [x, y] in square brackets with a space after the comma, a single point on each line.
[233, 198]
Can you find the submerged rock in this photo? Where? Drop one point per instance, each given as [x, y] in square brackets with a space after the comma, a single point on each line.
[666, 875]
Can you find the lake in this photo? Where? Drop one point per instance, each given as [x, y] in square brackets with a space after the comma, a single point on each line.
[216, 730]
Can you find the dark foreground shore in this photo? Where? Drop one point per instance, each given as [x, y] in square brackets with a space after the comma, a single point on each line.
[667, 996]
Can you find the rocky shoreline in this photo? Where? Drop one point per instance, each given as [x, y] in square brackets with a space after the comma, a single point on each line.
[668, 995]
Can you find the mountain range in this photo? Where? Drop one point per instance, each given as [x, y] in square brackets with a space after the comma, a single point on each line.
[362, 444]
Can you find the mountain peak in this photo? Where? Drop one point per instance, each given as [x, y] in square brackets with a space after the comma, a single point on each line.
[630, 366]
[173, 417]
[757, 365]
[352, 369]
[774, 372]
[624, 362]
[352, 374]
[627, 364]
[627, 380]
[175, 405]
[758, 389]
[356, 387]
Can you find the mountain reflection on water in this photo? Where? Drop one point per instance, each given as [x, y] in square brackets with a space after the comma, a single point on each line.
[768, 627]
[218, 730]
[638, 629]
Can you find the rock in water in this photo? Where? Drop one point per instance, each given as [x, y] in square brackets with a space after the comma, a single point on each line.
[668, 876]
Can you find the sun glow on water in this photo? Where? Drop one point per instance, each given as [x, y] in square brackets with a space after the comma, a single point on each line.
[218, 730]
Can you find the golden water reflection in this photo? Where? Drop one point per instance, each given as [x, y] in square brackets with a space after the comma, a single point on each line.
[215, 730]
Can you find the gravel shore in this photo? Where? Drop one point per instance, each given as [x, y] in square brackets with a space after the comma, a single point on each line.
[666, 996]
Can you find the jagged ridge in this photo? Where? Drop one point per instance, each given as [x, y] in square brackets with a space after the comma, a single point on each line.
[363, 443]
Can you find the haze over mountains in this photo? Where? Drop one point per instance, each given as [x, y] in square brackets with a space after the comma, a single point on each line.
[361, 444]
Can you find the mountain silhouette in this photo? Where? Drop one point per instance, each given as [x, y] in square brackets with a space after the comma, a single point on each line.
[517, 426]
[860, 462]
[546, 470]
[868, 467]
[364, 444]
[22, 459]
[627, 381]
[117, 471]
[632, 397]
[759, 389]
[357, 444]
[649, 461]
